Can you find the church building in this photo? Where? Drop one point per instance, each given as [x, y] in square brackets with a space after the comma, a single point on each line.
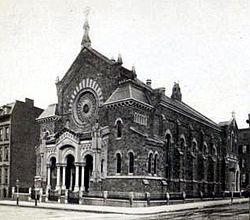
[111, 135]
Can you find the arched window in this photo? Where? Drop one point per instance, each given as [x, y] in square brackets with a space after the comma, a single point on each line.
[161, 124]
[155, 164]
[131, 162]
[102, 164]
[150, 162]
[118, 163]
[182, 144]
[168, 142]
[119, 128]
[214, 151]
[194, 148]
[205, 149]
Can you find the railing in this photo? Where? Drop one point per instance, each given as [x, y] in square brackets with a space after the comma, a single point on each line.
[53, 195]
[73, 197]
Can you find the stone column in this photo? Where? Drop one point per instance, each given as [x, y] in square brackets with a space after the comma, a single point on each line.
[76, 188]
[63, 176]
[57, 177]
[94, 166]
[82, 180]
[48, 176]
[70, 179]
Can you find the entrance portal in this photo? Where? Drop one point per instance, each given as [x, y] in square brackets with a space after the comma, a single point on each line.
[70, 173]
[88, 171]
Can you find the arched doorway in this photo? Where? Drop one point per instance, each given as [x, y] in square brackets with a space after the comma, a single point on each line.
[70, 172]
[88, 171]
[53, 172]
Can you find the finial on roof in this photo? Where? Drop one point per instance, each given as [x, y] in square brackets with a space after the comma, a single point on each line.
[57, 79]
[86, 42]
[133, 69]
[233, 114]
[119, 59]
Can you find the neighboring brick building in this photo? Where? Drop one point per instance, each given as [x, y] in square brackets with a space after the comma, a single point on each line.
[111, 132]
[19, 133]
[244, 155]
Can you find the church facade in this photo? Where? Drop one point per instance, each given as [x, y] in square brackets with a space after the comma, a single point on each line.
[112, 133]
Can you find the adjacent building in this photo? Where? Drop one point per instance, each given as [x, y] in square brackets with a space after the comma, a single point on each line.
[244, 155]
[111, 132]
[19, 132]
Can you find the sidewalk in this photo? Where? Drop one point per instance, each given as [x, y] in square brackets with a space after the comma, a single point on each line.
[126, 210]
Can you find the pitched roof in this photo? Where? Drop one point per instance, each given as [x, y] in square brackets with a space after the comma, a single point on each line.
[225, 123]
[49, 112]
[187, 109]
[127, 91]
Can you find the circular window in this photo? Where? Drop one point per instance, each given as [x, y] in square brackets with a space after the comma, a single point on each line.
[85, 107]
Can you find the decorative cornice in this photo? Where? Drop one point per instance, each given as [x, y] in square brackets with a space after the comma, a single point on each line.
[49, 119]
[129, 102]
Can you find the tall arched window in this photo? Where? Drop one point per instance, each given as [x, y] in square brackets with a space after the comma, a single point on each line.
[194, 148]
[182, 144]
[102, 164]
[205, 149]
[168, 141]
[214, 151]
[119, 128]
[118, 163]
[131, 162]
[155, 164]
[150, 162]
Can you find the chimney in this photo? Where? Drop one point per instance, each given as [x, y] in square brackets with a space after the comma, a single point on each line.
[119, 59]
[162, 90]
[148, 82]
[248, 120]
[29, 102]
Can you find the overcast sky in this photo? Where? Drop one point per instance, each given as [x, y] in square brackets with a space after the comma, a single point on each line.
[203, 45]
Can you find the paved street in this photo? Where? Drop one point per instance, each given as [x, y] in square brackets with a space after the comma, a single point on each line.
[24, 213]
[235, 212]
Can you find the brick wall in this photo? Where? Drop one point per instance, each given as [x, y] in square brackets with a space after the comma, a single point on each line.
[24, 138]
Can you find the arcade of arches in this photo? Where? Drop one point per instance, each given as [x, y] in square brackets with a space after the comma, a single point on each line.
[70, 174]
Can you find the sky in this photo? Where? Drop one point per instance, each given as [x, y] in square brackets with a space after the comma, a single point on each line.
[203, 45]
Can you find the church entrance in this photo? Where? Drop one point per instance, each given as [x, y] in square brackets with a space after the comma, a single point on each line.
[88, 171]
[70, 173]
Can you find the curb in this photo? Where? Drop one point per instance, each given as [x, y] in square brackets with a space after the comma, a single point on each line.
[76, 209]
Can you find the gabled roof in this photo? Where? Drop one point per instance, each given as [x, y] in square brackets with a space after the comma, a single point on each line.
[225, 123]
[128, 91]
[51, 111]
[232, 121]
[77, 62]
[187, 109]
